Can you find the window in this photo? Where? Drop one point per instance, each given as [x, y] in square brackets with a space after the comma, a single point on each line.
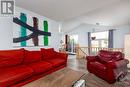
[99, 39]
[73, 40]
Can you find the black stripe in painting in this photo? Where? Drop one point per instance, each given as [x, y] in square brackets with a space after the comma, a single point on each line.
[36, 32]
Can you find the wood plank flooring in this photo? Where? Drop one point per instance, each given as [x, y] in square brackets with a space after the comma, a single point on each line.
[65, 77]
[91, 80]
[77, 64]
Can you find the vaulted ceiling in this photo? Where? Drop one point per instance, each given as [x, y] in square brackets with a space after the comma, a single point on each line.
[106, 12]
[63, 9]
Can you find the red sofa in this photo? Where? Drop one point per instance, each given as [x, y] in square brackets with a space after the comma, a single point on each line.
[108, 65]
[19, 67]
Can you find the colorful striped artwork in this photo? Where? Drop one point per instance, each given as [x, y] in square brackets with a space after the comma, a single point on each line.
[45, 40]
[30, 31]
[23, 33]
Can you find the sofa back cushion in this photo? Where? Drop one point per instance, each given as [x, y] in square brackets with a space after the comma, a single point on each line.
[117, 56]
[105, 56]
[48, 53]
[11, 57]
[32, 56]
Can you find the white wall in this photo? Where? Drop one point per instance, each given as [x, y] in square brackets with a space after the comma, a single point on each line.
[119, 36]
[5, 32]
[7, 26]
[82, 30]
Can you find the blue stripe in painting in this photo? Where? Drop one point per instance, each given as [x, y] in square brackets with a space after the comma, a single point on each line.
[23, 18]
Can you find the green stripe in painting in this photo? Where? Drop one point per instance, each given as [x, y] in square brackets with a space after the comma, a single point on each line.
[23, 18]
[45, 24]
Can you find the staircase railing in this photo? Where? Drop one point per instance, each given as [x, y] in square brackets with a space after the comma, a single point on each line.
[82, 52]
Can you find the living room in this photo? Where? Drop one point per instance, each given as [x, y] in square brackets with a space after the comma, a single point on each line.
[65, 43]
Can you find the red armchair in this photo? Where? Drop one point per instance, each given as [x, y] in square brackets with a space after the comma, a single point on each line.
[108, 65]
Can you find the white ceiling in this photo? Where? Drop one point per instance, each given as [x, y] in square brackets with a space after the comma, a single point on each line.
[116, 14]
[61, 10]
[73, 13]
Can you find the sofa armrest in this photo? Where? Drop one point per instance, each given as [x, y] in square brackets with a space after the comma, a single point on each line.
[117, 64]
[91, 58]
[62, 55]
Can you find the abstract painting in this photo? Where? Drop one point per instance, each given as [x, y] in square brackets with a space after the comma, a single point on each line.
[30, 34]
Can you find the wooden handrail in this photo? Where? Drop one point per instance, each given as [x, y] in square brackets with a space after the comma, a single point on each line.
[84, 51]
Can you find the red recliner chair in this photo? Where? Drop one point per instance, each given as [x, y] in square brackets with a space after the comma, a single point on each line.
[108, 65]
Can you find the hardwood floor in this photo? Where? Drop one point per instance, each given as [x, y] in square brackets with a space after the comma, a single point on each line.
[91, 80]
[77, 64]
[65, 77]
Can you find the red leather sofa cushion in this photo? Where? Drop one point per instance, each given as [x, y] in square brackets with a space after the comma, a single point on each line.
[13, 75]
[104, 56]
[117, 56]
[56, 61]
[98, 68]
[40, 67]
[9, 61]
[12, 53]
[61, 55]
[11, 57]
[32, 56]
[48, 53]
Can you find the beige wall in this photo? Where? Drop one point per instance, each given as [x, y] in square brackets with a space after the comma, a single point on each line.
[127, 47]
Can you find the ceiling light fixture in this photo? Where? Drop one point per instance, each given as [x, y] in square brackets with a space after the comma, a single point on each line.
[97, 23]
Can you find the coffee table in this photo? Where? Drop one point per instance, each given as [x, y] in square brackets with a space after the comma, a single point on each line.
[65, 77]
